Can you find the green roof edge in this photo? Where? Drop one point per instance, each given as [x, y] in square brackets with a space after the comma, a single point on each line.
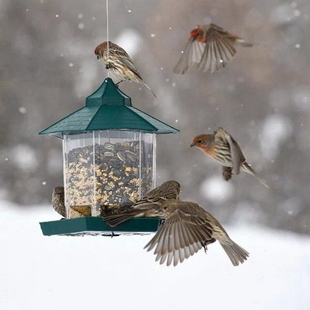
[105, 107]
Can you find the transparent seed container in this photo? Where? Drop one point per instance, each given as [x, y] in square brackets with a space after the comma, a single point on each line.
[109, 167]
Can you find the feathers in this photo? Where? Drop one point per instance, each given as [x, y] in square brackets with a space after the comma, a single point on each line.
[209, 48]
[188, 228]
[118, 61]
[225, 150]
[148, 206]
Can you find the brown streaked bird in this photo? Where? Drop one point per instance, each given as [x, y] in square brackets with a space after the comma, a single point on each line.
[58, 201]
[224, 149]
[209, 48]
[187, 229]
[144, 207]
[119, 63]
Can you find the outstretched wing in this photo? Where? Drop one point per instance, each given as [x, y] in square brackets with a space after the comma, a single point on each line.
[191, 56]
[237, 156]
[181, 236]
[218, 51]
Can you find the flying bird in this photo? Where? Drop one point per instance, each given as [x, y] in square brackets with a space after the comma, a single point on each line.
[145, 206]
[224, 149]
[119, 62]
[209, 48]
[188, 228]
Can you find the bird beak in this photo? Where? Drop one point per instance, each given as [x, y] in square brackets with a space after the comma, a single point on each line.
[193, 144]
[98, 58]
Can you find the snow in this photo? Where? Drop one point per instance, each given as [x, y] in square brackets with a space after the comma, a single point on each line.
[24, 157]
[113, 273]
[215, 190]
[276, 130]
[130, 40]
[284, 13]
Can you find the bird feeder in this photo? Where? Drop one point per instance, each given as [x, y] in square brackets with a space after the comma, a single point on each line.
[109, 156]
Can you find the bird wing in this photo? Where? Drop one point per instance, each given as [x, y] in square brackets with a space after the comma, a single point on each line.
[174, 241]
[166, 191]
[218, 51]
[123, 57]
[128, 63]
[120, 215]
[191, 56]
[237, 156]
[182, 235]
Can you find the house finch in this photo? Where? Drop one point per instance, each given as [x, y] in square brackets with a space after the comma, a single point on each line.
[119, 63]
[187, 229]
[209, 48]
[144, 207]
[58, 201]
[224, 149]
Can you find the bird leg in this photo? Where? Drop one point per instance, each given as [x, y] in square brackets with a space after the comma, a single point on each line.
[227, 173]
[207, 242]
[119, 82]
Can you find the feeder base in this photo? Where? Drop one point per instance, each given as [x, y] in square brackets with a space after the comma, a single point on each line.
[97, 226]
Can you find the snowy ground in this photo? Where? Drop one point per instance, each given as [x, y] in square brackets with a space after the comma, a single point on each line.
[40, 272]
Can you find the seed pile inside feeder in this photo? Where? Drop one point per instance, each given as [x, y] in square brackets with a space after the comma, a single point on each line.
[108, 174]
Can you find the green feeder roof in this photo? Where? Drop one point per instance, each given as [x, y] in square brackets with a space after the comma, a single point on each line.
[108, 108]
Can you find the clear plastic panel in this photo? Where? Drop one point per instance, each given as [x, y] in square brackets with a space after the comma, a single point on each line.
[107, 168]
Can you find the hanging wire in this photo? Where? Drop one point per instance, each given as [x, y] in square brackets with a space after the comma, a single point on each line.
[108, 47]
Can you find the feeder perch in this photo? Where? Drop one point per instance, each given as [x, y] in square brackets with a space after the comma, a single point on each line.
[109, 156]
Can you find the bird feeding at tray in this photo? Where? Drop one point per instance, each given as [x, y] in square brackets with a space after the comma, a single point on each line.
[109, 153]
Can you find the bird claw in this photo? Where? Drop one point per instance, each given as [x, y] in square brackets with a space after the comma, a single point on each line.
[206, 243]
[227, 173]
[119, 82]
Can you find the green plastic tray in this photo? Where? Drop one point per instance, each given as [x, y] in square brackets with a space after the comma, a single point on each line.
[97, 226]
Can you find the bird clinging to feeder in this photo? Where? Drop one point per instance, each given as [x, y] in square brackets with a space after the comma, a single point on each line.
[109, 152]
[142, 207]
[209, 48]
[187, 228]
[119, 62]
[224, 149]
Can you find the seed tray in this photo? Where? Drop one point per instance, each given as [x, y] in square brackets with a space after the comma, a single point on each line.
[91, 225]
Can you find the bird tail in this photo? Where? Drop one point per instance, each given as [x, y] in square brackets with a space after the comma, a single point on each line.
[235, 252]
[126, 213]
[244, 43]
[247, 168]
[148, 88]
[116, 219]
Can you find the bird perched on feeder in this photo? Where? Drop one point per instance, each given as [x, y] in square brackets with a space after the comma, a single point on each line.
[224, 149]
[119, 62]
[58, 200]
[143, 207]
[209, 48]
